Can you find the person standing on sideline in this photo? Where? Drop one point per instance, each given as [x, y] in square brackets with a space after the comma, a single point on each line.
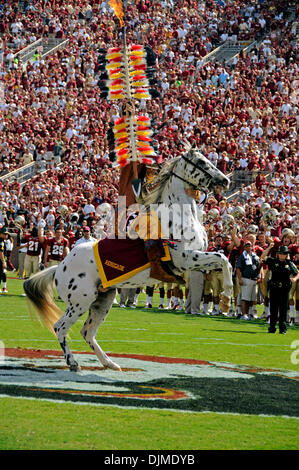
[195, 292]
[248, 269]
[294, 295]
[33, 255]
[3, 265]
[283, 273]
[86, 236]
[9, 248]
[21, 257]
[126, 297]
[55, 248]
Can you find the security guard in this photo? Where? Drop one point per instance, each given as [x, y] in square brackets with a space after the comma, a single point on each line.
[283, 273]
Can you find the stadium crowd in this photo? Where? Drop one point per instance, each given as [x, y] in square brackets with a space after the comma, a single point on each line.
[243, 115]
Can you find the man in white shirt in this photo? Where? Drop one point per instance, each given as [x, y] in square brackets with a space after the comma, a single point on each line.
[165, 85]
[245, 128]
[257, 131]
[286, 108]
[280, 181]
[276, 147]
[71, 132]
[88, 208]
[167, 3]
[46, 210]
[224, 36]
[213, 157]
[182, 32]
[10, 58]
[262, 22]
[50, 218]
[243, 162]
[43, 89]
[87, 238]
[2, 216]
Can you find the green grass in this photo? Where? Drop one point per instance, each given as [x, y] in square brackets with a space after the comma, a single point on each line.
[155, 332]
[32, 424]
[73, 427]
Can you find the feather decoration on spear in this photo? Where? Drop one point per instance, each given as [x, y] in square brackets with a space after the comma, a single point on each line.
[126, 69]
[117, 7]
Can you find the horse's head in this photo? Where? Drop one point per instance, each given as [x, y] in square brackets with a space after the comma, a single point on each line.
[192, 168]
[196, 170]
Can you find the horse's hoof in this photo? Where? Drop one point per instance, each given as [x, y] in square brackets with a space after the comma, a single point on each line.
[224, 303]
[102, 289]
[75, 368]
[112, 366]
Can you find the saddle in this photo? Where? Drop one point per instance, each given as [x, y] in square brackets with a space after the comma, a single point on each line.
[148, 227]
[160, 270]
[120, 259]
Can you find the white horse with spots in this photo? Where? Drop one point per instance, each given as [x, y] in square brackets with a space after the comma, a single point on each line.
[77, 278]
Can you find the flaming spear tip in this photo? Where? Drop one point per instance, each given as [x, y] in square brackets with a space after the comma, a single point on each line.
[117, 7]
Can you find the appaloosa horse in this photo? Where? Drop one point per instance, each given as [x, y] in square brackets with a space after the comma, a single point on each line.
[77, 278]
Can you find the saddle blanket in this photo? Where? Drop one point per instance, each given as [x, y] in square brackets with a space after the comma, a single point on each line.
[120, 259]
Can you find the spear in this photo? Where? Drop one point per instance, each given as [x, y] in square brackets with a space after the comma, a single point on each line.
[117, 7]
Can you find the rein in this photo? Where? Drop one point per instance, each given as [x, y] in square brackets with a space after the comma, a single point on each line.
[191, 184]
[185, 181]
[198, 167]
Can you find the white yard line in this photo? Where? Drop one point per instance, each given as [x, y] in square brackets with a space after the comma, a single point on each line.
[150, 409]
[134, 341]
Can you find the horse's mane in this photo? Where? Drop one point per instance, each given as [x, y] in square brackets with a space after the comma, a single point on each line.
[152, 193]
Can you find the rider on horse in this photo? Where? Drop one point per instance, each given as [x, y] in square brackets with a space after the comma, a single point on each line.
[153, 247]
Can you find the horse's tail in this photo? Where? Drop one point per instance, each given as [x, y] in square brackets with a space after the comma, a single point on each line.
[39, 290]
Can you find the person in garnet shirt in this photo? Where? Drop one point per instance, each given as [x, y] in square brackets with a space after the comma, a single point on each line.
[73, 237]
[33, 255]
[56, 248]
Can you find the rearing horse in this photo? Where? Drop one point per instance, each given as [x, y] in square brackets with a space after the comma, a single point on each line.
[77, 278]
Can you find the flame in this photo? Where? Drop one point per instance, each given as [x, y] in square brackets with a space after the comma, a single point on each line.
[117, 7]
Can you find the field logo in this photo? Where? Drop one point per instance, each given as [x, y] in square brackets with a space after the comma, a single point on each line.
[151, 382]
[294, 358]
[2, 353]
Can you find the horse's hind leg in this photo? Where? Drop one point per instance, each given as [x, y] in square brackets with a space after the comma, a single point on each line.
[97, 314]
[61, 328]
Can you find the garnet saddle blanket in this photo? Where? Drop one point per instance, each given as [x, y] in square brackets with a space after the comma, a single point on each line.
[120, 259]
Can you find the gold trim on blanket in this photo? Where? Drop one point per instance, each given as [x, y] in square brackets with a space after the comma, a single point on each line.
[123, 277]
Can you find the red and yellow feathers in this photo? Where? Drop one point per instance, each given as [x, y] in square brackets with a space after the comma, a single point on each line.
[132, 140]
[127, 73]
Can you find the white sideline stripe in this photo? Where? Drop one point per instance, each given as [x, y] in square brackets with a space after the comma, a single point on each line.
[148, 408]
[16, 318]
[281, 348]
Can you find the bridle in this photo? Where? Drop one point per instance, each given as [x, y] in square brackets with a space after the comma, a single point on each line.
[188, 182]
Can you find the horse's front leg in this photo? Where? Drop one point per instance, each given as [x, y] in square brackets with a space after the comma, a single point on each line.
[206, 261]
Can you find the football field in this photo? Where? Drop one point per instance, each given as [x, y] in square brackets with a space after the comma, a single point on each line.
[187, 382]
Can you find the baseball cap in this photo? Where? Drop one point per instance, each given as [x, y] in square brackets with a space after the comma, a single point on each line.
[86, 229]
[283, 250]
